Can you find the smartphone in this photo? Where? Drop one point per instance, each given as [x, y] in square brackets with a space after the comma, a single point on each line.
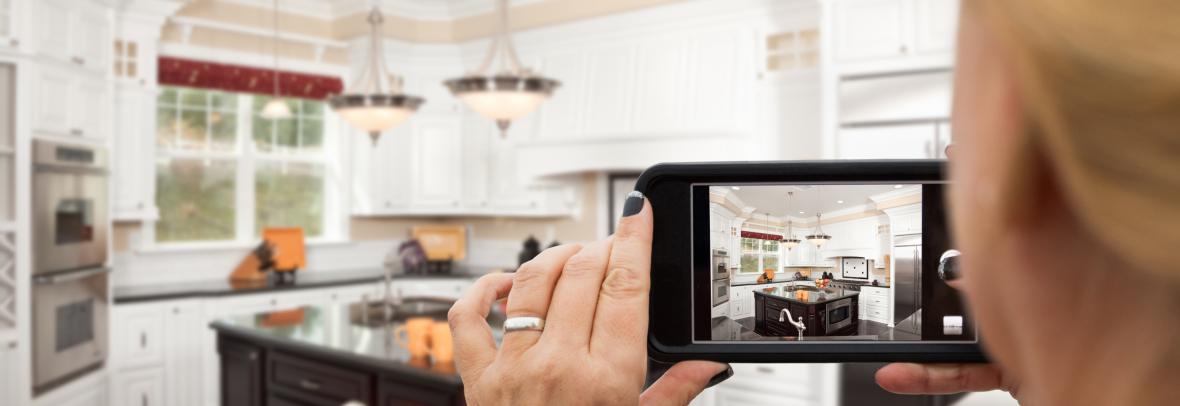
[833, 261]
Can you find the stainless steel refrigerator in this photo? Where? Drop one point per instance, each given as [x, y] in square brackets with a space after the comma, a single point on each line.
[907, 273]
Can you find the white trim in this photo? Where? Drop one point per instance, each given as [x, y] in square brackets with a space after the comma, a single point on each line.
[238, 29]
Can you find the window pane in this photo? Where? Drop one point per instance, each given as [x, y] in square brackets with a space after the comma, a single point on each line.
[770, 261]
[167, 96]
[750, 263]
[166, 127]
[313, 133]
[225, 127]
[193, 129]
[289, 195]
[196, 200]
[288, 133]
[193, 98]
[312, 108]
[261, 129]
[224, 101]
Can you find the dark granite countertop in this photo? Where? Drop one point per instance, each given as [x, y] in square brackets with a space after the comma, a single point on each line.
[330, 332]
[808, 295]
[755, 282]
[303, 280]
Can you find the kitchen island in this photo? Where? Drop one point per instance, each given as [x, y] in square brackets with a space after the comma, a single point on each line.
[824, 312]
[328, 355]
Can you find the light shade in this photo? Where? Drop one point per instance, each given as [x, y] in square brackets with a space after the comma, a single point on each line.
[502, 98]
[374, 113]
[790, 242]
[276, 109]
[818, 239]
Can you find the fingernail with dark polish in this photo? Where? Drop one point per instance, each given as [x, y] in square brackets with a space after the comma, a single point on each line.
[633, 204]
[720, 377]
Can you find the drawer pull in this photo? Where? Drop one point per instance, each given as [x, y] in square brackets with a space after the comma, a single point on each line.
[764, 370]
[144, 398]
[253, 356]
[309, 384]
[142, 340]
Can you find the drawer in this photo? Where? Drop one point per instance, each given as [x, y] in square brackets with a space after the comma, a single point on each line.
[139, 337]
[873, 313]
[789, 379]
[875, 301]
[398, 393]
[319, 379]
[140, 388]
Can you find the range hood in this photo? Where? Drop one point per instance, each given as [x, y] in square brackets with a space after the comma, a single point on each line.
[537, 161]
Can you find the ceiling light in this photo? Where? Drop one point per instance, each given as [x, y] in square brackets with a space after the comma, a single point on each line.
[376, 102]
[789, 240]
[508, 95]
[897, 186]
[735, 188]
[839, 202]
[800, 212]
[276, 108]
[819, 238]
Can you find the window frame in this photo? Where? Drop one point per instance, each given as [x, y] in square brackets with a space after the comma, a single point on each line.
[248, 158]
[761, 253]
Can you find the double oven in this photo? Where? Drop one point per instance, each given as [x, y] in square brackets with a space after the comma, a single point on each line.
[70, 286]
[720, 276]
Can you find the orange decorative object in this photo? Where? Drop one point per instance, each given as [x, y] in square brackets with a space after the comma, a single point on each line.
[283, 318]
[288, 245]
[769, 273]
[442, 243]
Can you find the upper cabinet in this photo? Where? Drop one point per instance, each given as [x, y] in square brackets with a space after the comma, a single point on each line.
[70, 104]
[892, 30]
[9, 24]
[87, 33]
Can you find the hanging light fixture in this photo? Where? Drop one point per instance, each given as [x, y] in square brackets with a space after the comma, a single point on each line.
[510, 94]
[790, 241]
[819, 238]
[375, 103]
[276, 108]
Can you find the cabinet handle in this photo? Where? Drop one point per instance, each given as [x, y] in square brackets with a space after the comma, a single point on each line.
[14, 42]
[764, 370]
[142, 340]
[76, 131]
[309, 384]
[274, 302]
[253, 356]
[145, 400]
[175, 310]
[904, 49]
[12, 345]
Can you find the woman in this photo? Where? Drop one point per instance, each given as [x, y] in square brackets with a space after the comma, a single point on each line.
[1066, 202]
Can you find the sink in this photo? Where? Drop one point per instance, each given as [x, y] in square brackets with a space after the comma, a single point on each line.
[377, 313]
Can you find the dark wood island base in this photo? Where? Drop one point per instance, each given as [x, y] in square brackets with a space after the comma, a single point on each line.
[825, 312]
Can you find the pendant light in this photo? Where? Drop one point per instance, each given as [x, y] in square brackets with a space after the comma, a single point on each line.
[790, 241]
[375, 103]
[510, 94]
[819, 238]
[276, 108]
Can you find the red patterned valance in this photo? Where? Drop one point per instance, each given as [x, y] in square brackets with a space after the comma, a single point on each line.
[761, 236]
[245, 79]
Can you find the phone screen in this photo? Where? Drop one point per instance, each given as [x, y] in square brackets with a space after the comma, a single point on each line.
[824, 263]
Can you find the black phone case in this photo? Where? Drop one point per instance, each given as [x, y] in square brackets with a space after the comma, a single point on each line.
[671, 328]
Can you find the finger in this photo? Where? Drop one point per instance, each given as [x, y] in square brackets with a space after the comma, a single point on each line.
[571, 313]
[935, 379]
[532, 289]
[683, 382]
[474, 346]
[620, 320]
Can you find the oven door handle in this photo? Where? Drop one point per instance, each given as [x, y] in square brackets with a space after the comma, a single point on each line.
[69, 276]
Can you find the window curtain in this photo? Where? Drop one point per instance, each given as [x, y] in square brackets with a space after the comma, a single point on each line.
[761, 236]
[245, 79]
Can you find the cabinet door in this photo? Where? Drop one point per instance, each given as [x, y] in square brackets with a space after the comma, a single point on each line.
[936, 25]
[731, 397]
[138, 336]
[8, 373]
[887, 142]
[867, 29]
[437, 167]
[8, 26]
[183, 328]
[392, 393]
[52, 28]
[91, 42]
[944, 139]
[662, 75]
[54, 93]
[89, 108]
[241, 374]
[143, 387]
[380, 171]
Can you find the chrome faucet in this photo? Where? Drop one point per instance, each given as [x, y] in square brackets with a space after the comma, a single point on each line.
[785, 316]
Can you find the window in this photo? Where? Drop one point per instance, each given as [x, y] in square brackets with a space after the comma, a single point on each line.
[759, 254]
[223, 172]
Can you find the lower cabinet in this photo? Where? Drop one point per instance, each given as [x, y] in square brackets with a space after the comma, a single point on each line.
[143, 387]
[242, 379]
[8, 373]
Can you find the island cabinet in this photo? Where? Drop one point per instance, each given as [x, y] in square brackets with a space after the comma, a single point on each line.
[241, 377]
[825, 312]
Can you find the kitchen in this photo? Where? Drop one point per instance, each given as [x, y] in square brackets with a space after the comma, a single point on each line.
[148, 147]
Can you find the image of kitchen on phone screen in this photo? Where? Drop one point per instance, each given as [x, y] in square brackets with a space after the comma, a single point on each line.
[806, 262]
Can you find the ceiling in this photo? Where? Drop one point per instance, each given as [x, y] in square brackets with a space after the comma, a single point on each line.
[807, 199]
[423, 10]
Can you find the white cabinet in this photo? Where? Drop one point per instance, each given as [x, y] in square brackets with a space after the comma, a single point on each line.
[776, 384]
[77, 33]
[133, 166]
[9, 25]
[8, 372]
[437, 176]
[906, 219]
[893, 29]
[914, 141]
[70, 103]
[867, 29]
[875, 305]
[138, 337]
[138, 388]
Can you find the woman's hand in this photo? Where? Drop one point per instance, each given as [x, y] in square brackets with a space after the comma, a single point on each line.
[593, 349]
[941, 379]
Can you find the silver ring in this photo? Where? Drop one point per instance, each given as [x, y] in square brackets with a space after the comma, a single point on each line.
[523, 323]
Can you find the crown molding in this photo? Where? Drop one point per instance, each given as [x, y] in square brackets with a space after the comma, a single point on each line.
[421, 10]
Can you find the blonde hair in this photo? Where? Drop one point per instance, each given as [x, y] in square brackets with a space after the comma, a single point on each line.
[1101, 84]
